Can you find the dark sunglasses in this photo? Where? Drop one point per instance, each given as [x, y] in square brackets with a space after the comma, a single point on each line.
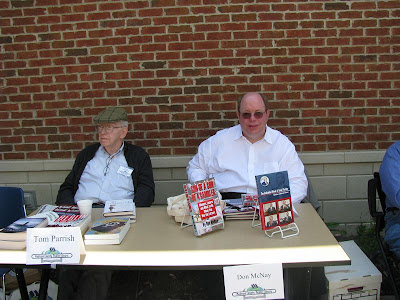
[257, 115]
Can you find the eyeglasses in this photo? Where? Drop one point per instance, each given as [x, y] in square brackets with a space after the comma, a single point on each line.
[257, 115]
[107, 128]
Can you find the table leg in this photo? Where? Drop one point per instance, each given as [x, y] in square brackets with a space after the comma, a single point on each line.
[44, 284]
[22, 284]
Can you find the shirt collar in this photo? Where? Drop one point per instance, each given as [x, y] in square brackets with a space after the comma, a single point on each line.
[114, 154]
[239, 134]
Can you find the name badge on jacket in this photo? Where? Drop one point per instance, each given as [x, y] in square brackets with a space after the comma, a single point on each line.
[125, 171]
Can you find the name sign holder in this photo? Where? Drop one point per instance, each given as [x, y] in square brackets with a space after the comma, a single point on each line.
[286, 231]
[259, 281]
[54, 245]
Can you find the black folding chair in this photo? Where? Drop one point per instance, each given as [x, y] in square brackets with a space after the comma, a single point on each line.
[374, 187]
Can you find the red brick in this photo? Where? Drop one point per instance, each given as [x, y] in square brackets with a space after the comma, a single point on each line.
[159, 151]
[183, 133]
[158, 134]
[339, 146]
[87, 43]
[351, 15]
[352, 138]
[35, 139]
[314, 147]
[275, 87]
[315, 113]
[11, 140]
[30, 89]
[48, 19]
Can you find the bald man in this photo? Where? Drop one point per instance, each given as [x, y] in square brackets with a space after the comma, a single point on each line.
[234, 156]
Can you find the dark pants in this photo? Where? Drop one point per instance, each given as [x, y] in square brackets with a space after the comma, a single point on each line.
[84, 284]
[392, 232]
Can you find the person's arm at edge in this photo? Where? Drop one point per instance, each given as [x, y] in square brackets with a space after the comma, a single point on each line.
[66, 193]
[390, 174]
[197, 167]
[68, 188]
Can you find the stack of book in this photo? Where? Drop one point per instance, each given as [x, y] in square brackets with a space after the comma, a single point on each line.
[120, 208]
[107, 231]
[64, 216]
[14, 235]
[236, 210]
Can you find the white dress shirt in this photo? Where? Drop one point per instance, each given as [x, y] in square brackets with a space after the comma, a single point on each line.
[234, 162]
[106, 177]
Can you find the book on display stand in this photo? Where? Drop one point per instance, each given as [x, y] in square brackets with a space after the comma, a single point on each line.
[204, 206]
[276, 209]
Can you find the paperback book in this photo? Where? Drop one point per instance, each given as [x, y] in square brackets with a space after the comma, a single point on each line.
[59, 209]
[106, 231]
[81, 221]
[120, 208]
[14, 235]
[67, 210]
[204, 206]
[274, 199]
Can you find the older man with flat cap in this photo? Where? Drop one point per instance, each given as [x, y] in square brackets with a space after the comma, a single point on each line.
[109, 170]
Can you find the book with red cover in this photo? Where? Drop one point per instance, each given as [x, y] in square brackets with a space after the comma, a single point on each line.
[81, 221]
[204, 206]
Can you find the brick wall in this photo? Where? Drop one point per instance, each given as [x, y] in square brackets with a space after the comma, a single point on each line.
[329, 68]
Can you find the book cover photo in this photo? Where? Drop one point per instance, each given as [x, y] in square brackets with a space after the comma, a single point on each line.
[14, 235]
[120, 208]
[22, 224]
[275, 200]
[114, 228]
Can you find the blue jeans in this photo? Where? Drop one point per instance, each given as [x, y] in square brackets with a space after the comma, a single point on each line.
[392, 232]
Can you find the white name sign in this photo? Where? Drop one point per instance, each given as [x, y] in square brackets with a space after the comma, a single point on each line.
[61, 245]
[261, 281]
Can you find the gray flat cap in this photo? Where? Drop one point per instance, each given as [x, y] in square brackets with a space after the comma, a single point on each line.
[111, 115]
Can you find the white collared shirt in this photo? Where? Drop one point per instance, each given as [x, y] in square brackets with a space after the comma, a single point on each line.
[234, 161]
[106, 177]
